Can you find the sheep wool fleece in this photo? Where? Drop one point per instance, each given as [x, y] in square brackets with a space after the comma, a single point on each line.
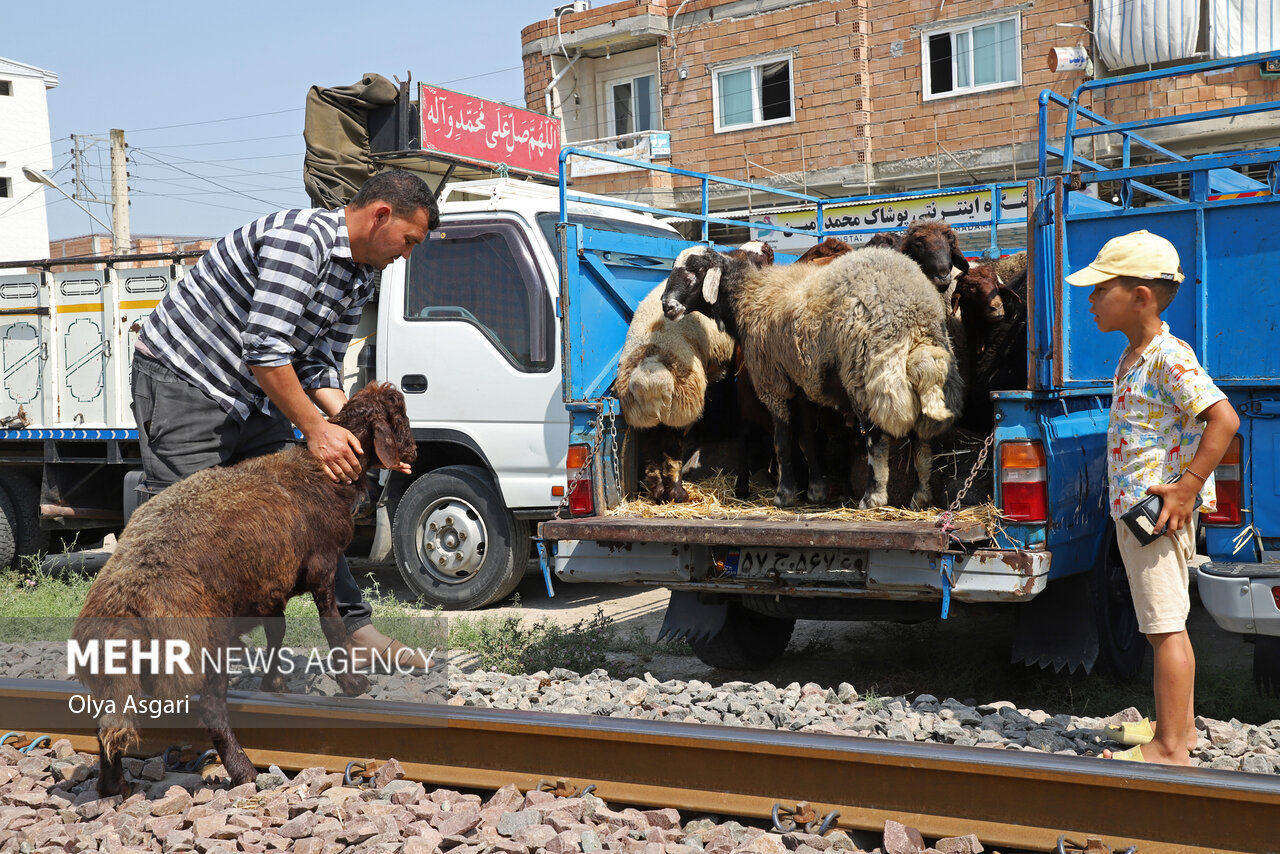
[871, 319]
[666, 365]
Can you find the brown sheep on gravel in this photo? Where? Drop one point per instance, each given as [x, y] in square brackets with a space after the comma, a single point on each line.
[219, 553]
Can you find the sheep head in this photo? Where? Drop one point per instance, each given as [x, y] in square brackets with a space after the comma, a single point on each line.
[935, 247]
[757, 252]
[376, 416]
[832, 247]
[694, 283]
[978, 294]
[886, 239]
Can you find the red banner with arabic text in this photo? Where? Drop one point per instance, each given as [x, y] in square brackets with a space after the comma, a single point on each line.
[479, 131]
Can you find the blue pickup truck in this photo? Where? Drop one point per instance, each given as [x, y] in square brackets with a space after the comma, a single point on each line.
[1053, 557]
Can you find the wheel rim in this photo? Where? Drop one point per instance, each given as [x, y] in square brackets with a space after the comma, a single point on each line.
[451, 541]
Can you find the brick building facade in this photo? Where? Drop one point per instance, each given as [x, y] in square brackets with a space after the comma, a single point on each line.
[864, 112]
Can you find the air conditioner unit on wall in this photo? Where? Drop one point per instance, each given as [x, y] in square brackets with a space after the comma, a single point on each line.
[575, 6]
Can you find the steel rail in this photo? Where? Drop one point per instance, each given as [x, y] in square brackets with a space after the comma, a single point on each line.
[1013, 799]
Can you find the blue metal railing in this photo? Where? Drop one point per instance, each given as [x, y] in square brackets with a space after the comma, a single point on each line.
[998, 206]
[1128, 130]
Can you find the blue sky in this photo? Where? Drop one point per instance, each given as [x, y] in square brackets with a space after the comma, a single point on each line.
[211, 95]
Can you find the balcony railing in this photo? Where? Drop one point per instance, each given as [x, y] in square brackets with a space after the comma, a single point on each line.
[646, 146]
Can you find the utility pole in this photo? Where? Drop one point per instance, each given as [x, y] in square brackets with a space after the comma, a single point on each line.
[119, 195]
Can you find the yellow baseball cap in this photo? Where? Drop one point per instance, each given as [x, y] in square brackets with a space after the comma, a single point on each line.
[1139, 253]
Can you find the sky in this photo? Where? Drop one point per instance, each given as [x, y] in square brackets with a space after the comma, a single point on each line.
[211, 96]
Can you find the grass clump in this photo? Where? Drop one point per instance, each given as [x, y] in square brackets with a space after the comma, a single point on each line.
[510, 645]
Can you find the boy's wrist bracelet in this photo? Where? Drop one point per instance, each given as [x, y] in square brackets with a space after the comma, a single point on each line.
[1202, 478]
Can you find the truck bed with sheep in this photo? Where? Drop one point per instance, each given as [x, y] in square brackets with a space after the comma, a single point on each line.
[1019, 514]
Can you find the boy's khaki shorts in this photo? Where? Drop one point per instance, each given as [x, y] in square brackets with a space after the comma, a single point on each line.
[1158, 577]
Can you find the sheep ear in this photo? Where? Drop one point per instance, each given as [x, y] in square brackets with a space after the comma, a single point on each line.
[384, 444]
[958, 260]
[711, 285]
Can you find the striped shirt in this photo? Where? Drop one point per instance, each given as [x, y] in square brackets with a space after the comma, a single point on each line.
[281, 290]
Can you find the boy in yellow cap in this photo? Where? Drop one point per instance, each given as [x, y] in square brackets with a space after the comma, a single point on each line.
[1168, 420]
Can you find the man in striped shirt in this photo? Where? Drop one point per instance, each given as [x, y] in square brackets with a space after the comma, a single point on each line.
[251, 341]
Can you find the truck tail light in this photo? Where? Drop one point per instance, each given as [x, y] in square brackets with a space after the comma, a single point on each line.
[578, 467]
[1229, 487]
[1024, 487]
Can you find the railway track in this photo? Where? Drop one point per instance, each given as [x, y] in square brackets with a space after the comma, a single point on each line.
[1009, 799]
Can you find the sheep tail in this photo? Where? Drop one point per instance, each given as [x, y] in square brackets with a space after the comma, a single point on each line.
[657, 394]
[892, 401]
[650, 388]
[928, 367]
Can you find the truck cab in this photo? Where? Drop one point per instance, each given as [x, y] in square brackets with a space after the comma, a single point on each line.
[469, 328]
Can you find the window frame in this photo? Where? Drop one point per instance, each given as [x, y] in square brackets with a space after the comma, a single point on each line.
[6, 87]
[754, 65]
[6, 187]
[967, 27]
[541, 319]
[611, 117]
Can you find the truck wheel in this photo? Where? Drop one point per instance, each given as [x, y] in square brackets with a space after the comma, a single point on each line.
[1121, 646]
[28, 538]
[8, 530]
[455, 543]
[747, 641]
[1266, 665]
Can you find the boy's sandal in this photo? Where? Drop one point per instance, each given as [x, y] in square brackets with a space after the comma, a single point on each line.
[1130, 732]
[1133, 754]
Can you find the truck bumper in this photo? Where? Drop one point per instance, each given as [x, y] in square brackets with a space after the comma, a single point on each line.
[984, 575]
[1241, 597]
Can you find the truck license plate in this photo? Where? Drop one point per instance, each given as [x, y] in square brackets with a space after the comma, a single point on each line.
[807, 564]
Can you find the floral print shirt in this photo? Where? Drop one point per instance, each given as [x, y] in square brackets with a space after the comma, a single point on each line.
[1153, 432]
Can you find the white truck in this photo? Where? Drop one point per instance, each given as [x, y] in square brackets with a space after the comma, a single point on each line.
[468, 328]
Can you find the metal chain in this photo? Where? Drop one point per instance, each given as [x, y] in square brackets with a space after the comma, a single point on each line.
[945, 518]
[613, 453]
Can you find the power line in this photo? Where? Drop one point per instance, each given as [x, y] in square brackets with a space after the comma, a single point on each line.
[203, 178]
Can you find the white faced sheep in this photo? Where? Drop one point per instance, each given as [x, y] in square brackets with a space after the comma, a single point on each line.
[864, 334]
[662, 381]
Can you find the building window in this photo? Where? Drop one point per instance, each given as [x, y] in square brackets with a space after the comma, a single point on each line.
[753, 95]
[984, 55]
[6, 188]
[633, 105]
[6, 87]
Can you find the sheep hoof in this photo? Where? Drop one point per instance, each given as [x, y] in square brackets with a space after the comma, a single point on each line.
[870, 502]
[921, 501]
[784, 497]
[275, 684]
[677, 494]
[352, 684]
[819, 491]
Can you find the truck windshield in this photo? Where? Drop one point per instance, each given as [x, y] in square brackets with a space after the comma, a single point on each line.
[547, 225]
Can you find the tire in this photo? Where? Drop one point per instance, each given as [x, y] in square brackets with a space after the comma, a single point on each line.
[1121, 646]
[8, 530]
[1266, 665]
[29, 539]
[455, 513]
[747, 641]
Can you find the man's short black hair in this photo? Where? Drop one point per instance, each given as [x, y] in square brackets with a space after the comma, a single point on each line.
[404, 191]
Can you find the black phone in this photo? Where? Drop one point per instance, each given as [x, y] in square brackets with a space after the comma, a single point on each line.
[1142, 517]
